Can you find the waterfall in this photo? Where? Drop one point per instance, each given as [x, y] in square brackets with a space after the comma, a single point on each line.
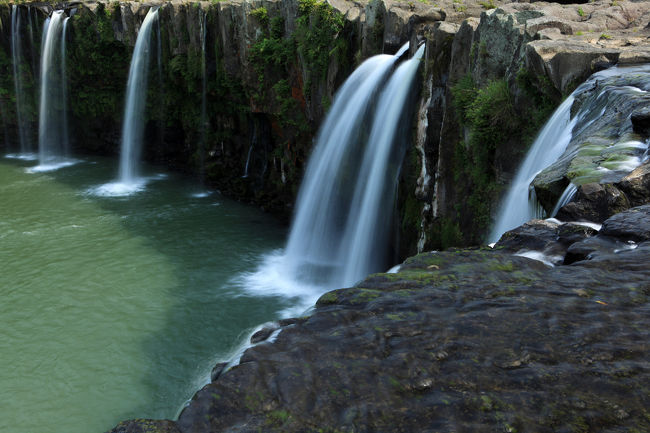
[324, 200]
[345, 204]
[64, 84]
[250, 152]
[565, 198]
[53, 147]
[31, 24]
[19, 88]
[520, 204]
[128, 181]
[136, 91]
[368, 225]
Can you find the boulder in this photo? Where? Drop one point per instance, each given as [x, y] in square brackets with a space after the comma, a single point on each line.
[594, 247]
[566, 62]
[546, 240]
[636, 185]
[633, 224]
[594, 202]
[641, 121]
[146, 426]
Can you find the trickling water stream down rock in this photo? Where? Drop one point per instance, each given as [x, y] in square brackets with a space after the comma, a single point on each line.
[264, 74]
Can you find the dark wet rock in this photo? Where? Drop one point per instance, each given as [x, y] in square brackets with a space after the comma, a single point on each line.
[636, 185]
[619, 234]
[641, 121]
[633, 224]
[291, 321]
[550, 239]
[465, 340]
[146, 426]
[539, 235]
[594, 202]
[590, 248]
[533, 235]
[217, 370]
[263, 334]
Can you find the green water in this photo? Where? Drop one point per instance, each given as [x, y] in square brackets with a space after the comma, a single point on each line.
[114, 308]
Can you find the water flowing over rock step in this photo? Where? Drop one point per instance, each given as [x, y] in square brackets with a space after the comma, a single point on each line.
[473, 340]
[596, 135]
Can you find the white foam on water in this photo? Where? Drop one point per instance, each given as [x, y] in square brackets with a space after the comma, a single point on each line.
[548, 260]
[118, 189]
[22, 156]
[52, 165]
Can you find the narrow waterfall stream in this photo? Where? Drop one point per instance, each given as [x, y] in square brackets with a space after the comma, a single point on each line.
[53, 146]
[520, 204]
[205, 125]
[339, 233]
[129, 180]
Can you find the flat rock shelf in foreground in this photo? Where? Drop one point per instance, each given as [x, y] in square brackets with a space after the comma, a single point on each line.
[469, 340]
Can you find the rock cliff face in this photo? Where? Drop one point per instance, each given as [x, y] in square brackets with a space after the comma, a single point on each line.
[267, 69]
[270, 68]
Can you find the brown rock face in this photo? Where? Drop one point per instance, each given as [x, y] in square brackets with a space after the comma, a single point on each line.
[636, 185]
[594, 202]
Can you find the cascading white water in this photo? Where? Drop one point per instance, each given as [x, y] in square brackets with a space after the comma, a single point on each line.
[134, 111]
[53, 147]
[31, 22]
[325, 197]
[250, 152]
[345, 204]
[565, 198]
[18, 71]
[64, 84]
[368, 224]
[520, 204]
[204, 91]
[129, 181]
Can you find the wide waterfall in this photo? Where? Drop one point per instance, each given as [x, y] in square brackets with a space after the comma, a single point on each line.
[368, 224]
[345, 205]
[133, 125]
[53, 146]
